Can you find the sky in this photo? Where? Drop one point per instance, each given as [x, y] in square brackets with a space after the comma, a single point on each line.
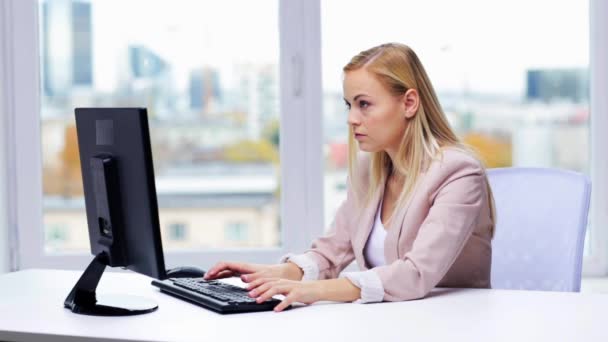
[189, 34]
[485, 46]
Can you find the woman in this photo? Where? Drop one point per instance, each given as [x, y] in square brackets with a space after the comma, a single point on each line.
[419, 212]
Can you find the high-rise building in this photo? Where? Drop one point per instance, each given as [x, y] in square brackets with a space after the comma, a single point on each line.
[145, 63]
[67, 56]
[204, 90]
[553, 84]
[258, 96]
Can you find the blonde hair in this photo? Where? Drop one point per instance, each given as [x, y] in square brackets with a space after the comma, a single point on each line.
[398, 68]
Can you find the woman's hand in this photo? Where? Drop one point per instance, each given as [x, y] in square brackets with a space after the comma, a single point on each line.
[251, 272]
[306, 292]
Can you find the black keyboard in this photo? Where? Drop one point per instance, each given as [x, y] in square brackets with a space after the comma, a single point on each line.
[214, 295]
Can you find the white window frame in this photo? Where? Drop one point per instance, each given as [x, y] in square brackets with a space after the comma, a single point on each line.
[300, 133]
[596, 264]
[5, 138]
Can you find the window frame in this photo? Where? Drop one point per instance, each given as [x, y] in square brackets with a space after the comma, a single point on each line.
[300, 132]
[7, 246]
[596, 263]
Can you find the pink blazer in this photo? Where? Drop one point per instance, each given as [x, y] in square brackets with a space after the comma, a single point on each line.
[440, 237]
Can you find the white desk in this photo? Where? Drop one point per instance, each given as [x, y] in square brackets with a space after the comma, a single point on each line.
[31, 309]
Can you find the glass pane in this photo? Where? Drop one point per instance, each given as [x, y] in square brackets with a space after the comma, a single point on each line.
[511, 76]
[211, 91]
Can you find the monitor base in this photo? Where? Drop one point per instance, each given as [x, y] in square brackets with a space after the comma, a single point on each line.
[84, 300]
[116, 305]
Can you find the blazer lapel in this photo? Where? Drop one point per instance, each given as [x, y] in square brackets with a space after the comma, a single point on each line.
[395, 227]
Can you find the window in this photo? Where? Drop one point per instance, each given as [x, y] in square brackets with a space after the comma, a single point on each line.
[211, 94]
[216, 114]
[56, 234]
[65, 232]
[236, 232]
[177, 232]
[502, 78]
[515, 90]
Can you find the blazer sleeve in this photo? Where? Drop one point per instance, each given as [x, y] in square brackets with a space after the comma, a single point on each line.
[455, 208]
[333, 251]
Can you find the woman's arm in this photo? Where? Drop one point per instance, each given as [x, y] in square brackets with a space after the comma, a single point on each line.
[331, 253]
[339, 290]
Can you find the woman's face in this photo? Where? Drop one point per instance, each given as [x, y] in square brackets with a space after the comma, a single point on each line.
[378, 118]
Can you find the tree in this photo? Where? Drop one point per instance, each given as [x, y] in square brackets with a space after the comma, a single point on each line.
[493, 151]
[70, 157]
[271, 132]
[252, 151]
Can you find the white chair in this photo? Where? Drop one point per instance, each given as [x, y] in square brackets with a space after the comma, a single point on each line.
[541, 219]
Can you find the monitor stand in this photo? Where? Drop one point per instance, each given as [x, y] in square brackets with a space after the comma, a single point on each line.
[83, 299]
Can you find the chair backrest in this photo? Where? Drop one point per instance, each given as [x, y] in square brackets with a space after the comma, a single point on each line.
[541, 219]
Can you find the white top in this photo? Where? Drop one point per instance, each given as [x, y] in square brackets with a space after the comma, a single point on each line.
[374, 248]
[31, 309]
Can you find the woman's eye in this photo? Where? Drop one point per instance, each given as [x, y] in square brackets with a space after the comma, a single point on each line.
[347, 106]
[363, 104]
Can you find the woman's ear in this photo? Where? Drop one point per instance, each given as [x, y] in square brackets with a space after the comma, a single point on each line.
[411, 102]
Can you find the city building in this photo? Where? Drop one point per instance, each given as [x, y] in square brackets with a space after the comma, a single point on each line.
[66, 46]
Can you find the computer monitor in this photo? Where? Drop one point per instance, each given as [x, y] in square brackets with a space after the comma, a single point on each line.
[121, 206]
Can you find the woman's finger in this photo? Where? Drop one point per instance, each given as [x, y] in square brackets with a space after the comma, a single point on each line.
[263, 285]
[235, 267]
[242, 267]
[289, 299]
[259, 282]
[274, 290]
[254, 284]
[224, 274]
[220, 266]
[248, 278]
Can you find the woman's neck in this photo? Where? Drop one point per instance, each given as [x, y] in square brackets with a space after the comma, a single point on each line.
[395, 181]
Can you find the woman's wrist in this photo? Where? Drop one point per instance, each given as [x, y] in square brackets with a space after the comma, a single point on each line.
[339, 290]
[292, 271]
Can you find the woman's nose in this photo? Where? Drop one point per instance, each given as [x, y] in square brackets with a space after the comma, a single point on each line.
[353, 118]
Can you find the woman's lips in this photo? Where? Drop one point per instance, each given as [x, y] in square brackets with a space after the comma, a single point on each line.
[359, 136]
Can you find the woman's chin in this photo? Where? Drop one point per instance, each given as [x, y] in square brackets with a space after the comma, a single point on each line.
[366, 148]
